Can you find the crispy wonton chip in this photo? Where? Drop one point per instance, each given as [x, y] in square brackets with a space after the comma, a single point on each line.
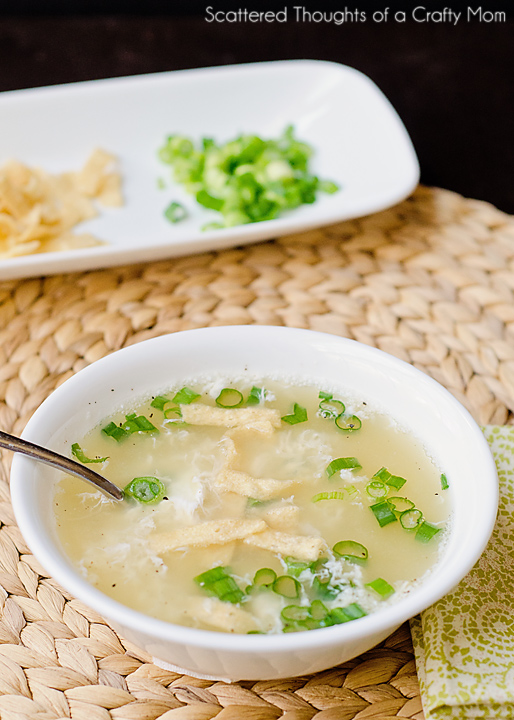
[211, 532]
[251, 418]
[302, 547]
[38, 211]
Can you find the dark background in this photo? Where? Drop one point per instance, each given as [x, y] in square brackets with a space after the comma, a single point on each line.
[451, 85]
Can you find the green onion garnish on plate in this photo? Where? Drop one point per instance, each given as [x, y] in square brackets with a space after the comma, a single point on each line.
[247, 179]
[175, 212]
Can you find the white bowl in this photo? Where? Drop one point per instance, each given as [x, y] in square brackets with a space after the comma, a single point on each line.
[417, 402]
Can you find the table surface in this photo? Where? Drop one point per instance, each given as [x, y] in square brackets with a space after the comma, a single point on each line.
[451, 84]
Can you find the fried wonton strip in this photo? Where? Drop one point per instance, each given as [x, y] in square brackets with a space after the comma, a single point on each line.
[220, 615]
[244, 484]
[283, 517]
[212, 532]
[38, 210]
[302, 547]
[251, 418]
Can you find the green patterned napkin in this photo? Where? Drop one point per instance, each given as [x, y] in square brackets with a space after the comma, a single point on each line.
[464, 644]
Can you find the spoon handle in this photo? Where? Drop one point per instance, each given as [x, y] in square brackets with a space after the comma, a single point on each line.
[10, 442]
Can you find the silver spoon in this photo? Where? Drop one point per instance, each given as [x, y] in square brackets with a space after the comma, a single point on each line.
[10, 442]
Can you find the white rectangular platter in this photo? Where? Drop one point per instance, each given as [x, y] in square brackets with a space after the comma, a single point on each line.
[358, 139]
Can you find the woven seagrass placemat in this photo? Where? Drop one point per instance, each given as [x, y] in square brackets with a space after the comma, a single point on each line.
[430, 281]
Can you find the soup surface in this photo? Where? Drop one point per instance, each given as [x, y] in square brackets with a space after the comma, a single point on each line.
[254, 507]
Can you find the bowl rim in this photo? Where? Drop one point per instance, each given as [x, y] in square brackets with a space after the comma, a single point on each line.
[426, 594]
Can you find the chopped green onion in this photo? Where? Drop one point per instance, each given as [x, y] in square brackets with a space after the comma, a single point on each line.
[296, 567]
[175, 212]
[444, 482]
[392, 480]
[396, 482]
[299, 415]
[81, 457]
[256, 396]
[334, 495]
[229, 398]
[227, 590]
[146, 489]
[328, 186]
[115, 431]
[325, 396]
[354, 611]
[350, 612]
[247, 179]
[137, 423]
[265, 577]
[343, 463]
[172, 413]
[381, 587]
[185, 396]
[383, 474]
[159, 402]
[318, 610]
[295, 613]
[331, 408]
[411, 519]
[383, 513]
[219, 582]
[209, 201]
[348, 423]
[287, 586]
[400, 504]
[377, 489]
[217, 226]
[210, 576]
[350, 550]
[426, 532]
